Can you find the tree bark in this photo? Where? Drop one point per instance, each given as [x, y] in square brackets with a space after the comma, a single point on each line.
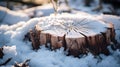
[1, 53]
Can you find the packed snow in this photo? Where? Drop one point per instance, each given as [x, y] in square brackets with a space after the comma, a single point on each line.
[62, 24]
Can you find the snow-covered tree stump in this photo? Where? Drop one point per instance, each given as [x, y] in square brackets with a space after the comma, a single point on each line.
[77, 34]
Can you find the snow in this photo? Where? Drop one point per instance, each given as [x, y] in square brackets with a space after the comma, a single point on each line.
[9, 50]
[20, 50]
[63, 23]
[39, 11]
[112, 19]
[11, 17]
[73, 34]
[12, 36]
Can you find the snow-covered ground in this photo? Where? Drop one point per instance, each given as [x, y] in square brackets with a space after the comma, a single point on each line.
[20, 50]
[11, 17]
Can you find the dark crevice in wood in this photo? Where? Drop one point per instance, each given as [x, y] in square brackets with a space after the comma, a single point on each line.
[73, 50]
[113, 36]
[86, 46]
[105, 38]
[64, 42]
[37, 37]
[1, 52]
[48, 40]
[34, 39]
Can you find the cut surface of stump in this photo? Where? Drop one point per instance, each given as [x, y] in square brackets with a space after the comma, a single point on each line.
[77, 34]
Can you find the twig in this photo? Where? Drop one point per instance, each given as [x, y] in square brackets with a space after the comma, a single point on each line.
[7, 61]
[24, 64]
[54, 6]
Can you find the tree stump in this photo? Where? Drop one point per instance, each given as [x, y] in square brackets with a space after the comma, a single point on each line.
[77, 34]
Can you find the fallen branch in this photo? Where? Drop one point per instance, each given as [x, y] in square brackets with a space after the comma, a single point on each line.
[7, 61]
[24, 64]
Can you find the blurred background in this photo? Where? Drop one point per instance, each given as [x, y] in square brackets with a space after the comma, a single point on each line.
[22, 4]
[111, 7]
[30, 3]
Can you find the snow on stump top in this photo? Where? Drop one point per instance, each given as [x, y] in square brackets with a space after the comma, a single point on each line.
[77, 34]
